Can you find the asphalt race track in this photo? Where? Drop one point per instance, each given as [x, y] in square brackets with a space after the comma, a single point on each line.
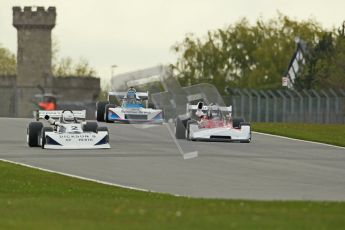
[269, 168]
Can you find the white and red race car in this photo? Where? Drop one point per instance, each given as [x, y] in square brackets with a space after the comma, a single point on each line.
[211, 123]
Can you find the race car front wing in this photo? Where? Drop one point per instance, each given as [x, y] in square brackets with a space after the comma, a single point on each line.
[88, 140]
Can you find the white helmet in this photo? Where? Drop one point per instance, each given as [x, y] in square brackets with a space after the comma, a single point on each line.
[68, 117]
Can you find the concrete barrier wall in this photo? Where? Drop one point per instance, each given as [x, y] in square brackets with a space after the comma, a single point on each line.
[75, 92]
[77, 88]
[7, 93]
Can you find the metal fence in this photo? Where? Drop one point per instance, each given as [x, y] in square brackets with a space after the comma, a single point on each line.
[306, 106]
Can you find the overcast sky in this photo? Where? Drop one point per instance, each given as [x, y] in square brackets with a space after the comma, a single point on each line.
[135, 34]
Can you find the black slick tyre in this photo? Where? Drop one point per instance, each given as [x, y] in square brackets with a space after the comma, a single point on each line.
[100, 108]
[236, 122]
[90, 127]
[33, 132]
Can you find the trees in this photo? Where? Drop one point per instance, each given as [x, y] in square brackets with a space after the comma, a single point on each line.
[7, 62]
[243, 55]
[326, 65]
[66, 67]
[62, 67]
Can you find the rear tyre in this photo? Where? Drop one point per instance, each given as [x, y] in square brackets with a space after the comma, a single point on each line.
[43, 135]
[181, 126]
[106, 109]
[236, 122]
[33, 132]
[100, 108]
[90, 127]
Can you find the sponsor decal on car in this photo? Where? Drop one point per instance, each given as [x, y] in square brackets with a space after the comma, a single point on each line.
[78, 137]
[134, 111]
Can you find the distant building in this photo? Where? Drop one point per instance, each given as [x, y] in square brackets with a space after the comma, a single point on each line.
[34, 66]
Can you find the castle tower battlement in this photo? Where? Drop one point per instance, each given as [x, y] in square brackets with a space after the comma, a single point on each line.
[31, 17]
[34, 54]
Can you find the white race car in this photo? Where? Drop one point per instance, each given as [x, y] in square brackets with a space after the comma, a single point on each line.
[211, 123]
[134, 109]
[68, 130]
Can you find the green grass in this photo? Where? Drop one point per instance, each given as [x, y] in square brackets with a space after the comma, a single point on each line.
[33, 199]
[331, 134]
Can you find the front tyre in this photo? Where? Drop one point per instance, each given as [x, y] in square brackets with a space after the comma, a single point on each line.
[90, 127]
[100, 108]
[236, 122]
[33, 132]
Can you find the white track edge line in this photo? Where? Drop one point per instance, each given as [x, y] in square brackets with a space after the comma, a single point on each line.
[84, 178]
[295, 139]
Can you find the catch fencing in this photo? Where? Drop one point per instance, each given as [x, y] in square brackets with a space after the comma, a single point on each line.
[307, 106]
[324, 106]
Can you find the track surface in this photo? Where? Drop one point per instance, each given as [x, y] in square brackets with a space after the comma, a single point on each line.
[269, 168]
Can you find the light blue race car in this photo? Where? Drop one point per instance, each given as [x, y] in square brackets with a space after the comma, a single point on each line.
[133, 109]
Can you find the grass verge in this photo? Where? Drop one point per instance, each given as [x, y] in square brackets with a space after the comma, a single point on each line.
[33, 199]
[331, 134]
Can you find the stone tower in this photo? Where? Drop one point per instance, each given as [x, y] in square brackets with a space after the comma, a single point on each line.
[34, 54]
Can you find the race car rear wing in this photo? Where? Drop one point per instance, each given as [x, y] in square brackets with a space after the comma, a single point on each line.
[121, 95]
[212, 107]
[56, 114]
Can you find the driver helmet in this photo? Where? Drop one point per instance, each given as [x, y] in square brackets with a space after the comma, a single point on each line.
[68, 117]
[200, 113]
[131, 93]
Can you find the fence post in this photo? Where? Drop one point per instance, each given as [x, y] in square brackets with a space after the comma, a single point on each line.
[327, 106]
[336, 100]
[301, 106]
[342, 106]
[250, 104]
[310, 104]
[242, 101]
[318, 98]
[274, 105]
[284, 104]
[258, 107]
[266, 104]
[292, 105]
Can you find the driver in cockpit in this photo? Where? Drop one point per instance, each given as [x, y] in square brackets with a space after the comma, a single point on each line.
[131, 97]
[67, 117]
